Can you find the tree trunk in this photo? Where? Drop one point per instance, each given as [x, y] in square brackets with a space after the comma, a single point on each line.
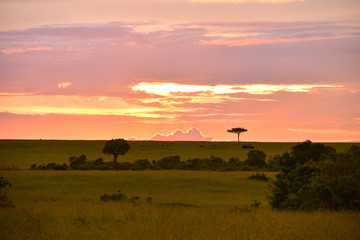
[115, 161]
[238, 138]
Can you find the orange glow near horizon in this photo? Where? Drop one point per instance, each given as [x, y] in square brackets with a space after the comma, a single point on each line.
[78, 105]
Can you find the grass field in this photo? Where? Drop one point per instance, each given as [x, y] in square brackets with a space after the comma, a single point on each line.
[23, 153]
[185, 205]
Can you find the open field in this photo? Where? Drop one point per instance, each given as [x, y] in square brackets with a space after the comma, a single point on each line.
[23, 153]
[185, 205]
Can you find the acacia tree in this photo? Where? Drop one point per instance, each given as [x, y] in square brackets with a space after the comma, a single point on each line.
[116, 147]
[237, 131]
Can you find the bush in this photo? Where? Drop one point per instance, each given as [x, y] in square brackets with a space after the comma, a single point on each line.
[171, 162]
[119, 196]
[49, 166]
[75, 162]
[197, 164]
[142, 164]
[274, 162]
[317, 178]
[259, 176]
[256, 158]
[5, 202]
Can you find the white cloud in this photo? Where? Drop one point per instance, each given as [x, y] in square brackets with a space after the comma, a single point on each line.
[164, 89]
[192, 134]
[64, 84]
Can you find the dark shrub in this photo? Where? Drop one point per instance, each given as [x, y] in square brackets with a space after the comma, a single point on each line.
[171, 162]
[308, 151]
[256, 158]
[198, 164]
[125, 166]
[142, 164]
[5, 202]
[99, 161]
[274, 162]
[75, 162]
[259, 176]
[317, 178]
[119, 196]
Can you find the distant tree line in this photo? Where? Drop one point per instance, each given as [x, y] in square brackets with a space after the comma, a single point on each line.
[256, 160]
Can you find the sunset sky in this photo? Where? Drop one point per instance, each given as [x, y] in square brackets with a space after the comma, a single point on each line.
[286, 70]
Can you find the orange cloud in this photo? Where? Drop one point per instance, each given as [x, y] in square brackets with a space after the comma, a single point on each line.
[24, 50]
[78, 105]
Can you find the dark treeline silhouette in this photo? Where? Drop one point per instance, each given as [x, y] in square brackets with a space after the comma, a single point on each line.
[255, 161]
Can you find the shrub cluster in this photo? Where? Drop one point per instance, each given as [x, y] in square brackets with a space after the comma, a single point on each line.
[121, 197]
[49, 166]
[76, 163]
[255, 161]
[313, 176]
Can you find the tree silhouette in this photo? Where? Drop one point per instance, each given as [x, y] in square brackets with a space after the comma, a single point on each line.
[237, 131]
[116, 147]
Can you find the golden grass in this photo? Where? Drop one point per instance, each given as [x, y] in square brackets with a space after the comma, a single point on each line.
[86, 220]
[186, 205]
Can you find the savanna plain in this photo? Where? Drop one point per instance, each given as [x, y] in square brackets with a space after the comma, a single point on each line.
[165, 204]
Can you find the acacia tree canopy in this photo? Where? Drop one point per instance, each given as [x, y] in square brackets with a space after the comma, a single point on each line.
[116, 147]
[237, 131]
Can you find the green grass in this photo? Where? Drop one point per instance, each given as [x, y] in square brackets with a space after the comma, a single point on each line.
[205, 189]
[185, 205]
[23, 153]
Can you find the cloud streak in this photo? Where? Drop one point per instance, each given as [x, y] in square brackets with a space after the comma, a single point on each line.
[255, 41]
[165, 89]
[245, 1]
[25, 50]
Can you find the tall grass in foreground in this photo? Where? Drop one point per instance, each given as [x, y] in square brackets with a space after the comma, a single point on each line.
[185, 205]
[87, 220]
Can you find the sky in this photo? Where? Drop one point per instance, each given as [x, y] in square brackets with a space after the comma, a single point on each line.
[286, 70]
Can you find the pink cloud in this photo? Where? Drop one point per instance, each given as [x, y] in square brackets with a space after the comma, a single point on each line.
[254, 41]
[192, 134]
